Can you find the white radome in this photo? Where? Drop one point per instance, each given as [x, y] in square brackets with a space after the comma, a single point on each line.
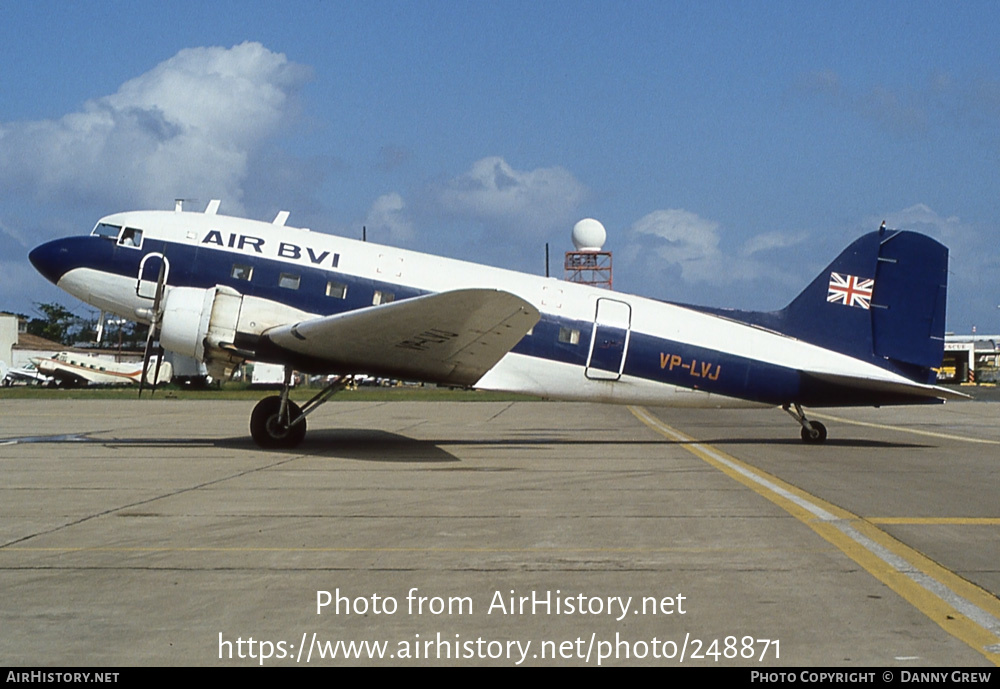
[589, 235]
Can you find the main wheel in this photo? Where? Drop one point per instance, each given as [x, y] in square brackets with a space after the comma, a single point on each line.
[817, 435]
[270, 432]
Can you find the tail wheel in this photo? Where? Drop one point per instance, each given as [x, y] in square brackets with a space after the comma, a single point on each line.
[816, 435]
[270, 431]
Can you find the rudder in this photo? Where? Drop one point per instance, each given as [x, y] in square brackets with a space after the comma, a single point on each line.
[908, 307]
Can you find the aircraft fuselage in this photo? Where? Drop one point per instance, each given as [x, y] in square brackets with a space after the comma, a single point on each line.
[589, 343]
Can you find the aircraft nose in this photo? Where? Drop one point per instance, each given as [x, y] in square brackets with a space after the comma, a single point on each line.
[51, 259]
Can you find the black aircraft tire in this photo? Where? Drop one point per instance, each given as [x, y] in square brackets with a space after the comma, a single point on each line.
[268, 433]
[818, 435]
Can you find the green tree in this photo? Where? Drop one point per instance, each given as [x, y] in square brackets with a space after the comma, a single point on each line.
[56, 323]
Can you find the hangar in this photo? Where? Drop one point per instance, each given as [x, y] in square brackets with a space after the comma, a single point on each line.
[971, 359]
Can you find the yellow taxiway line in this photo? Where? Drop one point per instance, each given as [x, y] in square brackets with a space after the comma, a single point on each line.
[937, 521]
[961, 608]
[914, 431]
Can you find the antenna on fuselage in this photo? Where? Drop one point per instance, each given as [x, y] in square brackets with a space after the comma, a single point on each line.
[179, 204]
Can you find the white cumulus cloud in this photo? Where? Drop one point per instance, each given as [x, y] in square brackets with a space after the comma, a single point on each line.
[683, 238]
[185, 128]
[922, 218]
[674, 239]
[387, 216]
[683, 256]
[529, 202]
[769, 241]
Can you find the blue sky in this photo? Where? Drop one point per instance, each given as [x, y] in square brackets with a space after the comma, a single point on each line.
[731, 149]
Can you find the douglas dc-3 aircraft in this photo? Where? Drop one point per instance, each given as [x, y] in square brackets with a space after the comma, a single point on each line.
[867, 331]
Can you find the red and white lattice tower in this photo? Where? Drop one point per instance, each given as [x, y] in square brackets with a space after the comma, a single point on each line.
[589, 265]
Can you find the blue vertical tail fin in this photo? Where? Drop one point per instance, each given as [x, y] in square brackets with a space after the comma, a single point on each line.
[882, 299]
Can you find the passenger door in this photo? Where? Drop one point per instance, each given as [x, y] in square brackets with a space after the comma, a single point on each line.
[609, 341]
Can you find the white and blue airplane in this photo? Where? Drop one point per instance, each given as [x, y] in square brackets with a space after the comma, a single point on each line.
[868, 331]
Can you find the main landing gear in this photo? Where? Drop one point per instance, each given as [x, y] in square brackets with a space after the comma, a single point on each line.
[279, 423]
[812, 431]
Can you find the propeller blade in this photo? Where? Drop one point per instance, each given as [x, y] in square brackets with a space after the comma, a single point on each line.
[145, 360]
[156, 371]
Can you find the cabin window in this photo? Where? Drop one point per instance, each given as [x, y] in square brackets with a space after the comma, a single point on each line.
[106, 231]
[288, 281]
[337, 290]
[569, 335]
[241, 272]
[131, 237]
[382, 297]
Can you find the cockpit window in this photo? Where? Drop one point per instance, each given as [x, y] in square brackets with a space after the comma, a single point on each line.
[107, 231]
[131, 237]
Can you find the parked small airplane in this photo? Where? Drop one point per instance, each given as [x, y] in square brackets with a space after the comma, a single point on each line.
[27, 375]
[867, 331]
[71, 369]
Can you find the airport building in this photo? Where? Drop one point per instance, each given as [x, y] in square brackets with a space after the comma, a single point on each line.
[8, 336]
[971, 359]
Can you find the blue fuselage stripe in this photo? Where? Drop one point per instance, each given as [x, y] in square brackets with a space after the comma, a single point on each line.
[647, 357]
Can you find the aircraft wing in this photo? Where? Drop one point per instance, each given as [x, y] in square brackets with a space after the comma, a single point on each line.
[450, 337]
[26, 376]
[905, 388]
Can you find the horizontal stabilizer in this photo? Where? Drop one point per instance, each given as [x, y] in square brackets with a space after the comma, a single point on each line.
[451, 337]
[891, 387]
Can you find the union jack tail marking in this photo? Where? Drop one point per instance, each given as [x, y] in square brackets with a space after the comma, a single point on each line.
[850, 290]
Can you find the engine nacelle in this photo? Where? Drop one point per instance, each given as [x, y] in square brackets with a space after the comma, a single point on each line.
[203, 323]
[197, 321]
